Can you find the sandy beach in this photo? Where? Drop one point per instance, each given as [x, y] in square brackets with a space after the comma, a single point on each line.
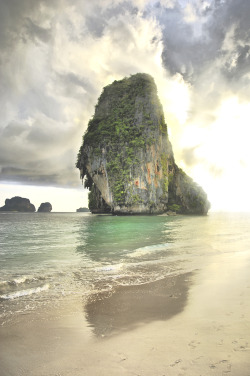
[192, 324]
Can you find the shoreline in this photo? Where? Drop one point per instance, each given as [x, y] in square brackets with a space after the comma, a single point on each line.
[191, 324]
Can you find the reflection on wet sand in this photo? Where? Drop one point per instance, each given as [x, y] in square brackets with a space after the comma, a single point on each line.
[127, 307]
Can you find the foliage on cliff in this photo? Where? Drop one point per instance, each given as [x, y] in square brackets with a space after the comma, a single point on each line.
[115, 120]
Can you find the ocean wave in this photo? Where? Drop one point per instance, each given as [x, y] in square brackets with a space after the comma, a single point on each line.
[20, 280]
[109, 268]
[25, 279]
[17, 281]
[20, 293]
[143, 251]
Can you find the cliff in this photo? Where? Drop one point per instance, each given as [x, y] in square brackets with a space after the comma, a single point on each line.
[18, 204]
[45, 207]
[126, 157]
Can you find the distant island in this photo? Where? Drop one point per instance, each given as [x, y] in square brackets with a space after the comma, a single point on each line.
[18, 204]
[23, 205]
[80, 210]
[45, 207]
[126, 157]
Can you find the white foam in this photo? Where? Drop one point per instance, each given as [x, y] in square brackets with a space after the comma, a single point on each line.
[20, 293]
[143, 251]
[22, 279]
[108, 268]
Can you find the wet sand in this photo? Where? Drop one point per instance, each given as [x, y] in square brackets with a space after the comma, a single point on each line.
[129, 307]
[194, 324]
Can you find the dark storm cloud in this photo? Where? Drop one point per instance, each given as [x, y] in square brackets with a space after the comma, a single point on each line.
[186, 46]
[190, 46]
[233, 16]
[37, 32]
[75, 86]
[13, 130]
[40, 178]
[207, 43]
[15, 18]
[27, 175]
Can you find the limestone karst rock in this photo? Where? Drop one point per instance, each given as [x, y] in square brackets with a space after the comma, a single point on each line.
[45, 207]
[18, 204]
[82, 210]
[126, 157]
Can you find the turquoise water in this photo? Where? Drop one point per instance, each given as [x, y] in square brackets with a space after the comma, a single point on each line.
[45, 256]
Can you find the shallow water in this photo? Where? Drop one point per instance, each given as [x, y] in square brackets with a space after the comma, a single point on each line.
[45, 256]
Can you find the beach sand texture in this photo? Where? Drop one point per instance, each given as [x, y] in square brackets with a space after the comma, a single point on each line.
[192, 324]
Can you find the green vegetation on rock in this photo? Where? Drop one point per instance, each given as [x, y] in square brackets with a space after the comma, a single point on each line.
[115, 120]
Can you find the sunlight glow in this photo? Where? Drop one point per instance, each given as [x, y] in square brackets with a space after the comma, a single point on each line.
[223, 156]
[174, 96]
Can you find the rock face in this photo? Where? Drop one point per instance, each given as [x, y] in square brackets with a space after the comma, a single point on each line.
[126, 157]
[45, 207]
[19, 204]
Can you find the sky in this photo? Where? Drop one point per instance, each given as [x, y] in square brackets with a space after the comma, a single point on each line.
[57, 55]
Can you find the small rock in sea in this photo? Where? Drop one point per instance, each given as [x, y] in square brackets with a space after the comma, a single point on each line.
[169, 212]
[45, 207]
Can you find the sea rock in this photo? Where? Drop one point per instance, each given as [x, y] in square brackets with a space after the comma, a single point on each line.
[126, 157]
[18, 204]
[82, 210]
[45, 207]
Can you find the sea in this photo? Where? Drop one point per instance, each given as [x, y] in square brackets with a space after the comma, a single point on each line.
[45, 257]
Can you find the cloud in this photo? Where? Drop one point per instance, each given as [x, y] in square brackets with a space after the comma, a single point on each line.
[198, 35]
[189, 157]
[35, 32]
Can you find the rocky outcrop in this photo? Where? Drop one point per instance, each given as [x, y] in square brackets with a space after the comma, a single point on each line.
[18, 204]
[82, 210]
[126, 157]
[45, 207]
